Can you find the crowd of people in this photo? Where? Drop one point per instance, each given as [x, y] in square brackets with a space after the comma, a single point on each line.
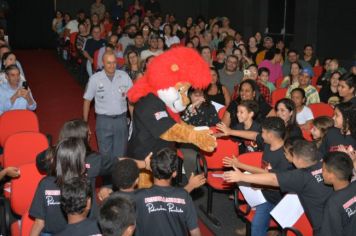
[114, 46]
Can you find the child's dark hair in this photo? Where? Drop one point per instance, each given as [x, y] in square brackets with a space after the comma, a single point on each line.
[263, 69]
[276, 125]
[124, 174]
[348, 111]
[301, 91]
[116, 214]
[164, 163]
[75, 194]
[305, 150]
[251, 106]
[340, 164]
[323, 123]
[69, 160]
[289, 143]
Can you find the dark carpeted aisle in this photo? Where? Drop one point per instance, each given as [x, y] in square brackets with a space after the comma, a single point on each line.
[59, 99]
[57, 94]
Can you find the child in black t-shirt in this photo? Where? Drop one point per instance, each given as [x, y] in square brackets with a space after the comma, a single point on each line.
[306, 181]
[274, 160]
[246, 113]
[344, 131]
[163, 209]
[339, 213]
[320, 127]
[117, 216]
[76, 197]
[69, 162]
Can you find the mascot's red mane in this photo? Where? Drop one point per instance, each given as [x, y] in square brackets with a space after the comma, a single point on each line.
[166, 70]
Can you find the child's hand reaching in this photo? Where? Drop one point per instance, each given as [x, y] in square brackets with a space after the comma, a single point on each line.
[233, 176]
[223, 128]
[231, 161]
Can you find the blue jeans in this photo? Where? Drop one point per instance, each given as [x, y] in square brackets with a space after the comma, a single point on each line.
[261, 219]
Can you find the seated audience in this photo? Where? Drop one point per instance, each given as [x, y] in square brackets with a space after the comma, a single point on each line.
[133, 65]
[309, 56]
[320, 127]
[248, 90]
[152, 49]
[138, 46]
[263, 78]
[267, 45]
[4, 49]
[306, 181]
[347, 88]
[311, 93]
[339, 217]
[216, 92]
[343, 134]
[293, 77]
[114, 47]
[76, 195]
[304, 114]
[98, 8]
[15, 94]
[292, 57]
[272, 63]
[169, 38]
[219, 63]
[230, 76]
[329, 92]
[205, 52]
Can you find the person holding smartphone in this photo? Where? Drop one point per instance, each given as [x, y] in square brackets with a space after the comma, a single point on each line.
[15, 94]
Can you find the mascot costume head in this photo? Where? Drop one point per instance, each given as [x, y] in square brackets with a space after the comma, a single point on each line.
[170, 75]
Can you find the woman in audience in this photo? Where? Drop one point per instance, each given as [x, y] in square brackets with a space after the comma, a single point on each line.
[146, 31]
[252, 49]
[82, 36]
[228, 45]
[215, 36]
[133, 65]
[285, 109]
[321, 126]
[88, 25]
[95, 21]
[304, 113]
[347, 88]
[258, 37]
[309, 56]
[343, 134]
[329, 93]
[170, 39]
[243, 62]
[107, 23]
[69, 162]
[248, 90]
[162, 44]
[9, 58]
[58, 23]
[311, 93]
[272, 61]
[322, 79]
[217, 92]
[282, 46]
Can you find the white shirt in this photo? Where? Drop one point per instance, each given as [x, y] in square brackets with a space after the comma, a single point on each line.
[110, 95]
[171, 40]
[72, 26]
[147, 53]
[304, 115]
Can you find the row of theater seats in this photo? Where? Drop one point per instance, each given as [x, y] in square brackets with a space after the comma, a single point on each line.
[21, 142]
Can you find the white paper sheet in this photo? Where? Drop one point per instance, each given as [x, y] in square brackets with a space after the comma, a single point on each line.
[218, 175]
[217, 106]
[288, 211]
[253, 197]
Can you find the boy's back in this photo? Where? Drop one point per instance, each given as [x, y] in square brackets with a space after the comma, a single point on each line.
[164, 211]
[308, 183]
[340, 213]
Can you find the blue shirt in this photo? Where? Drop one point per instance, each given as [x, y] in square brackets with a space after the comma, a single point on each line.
[6, 92]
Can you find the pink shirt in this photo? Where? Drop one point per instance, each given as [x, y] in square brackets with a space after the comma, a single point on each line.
[275, 70]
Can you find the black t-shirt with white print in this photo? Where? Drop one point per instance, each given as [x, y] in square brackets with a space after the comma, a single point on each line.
[87, 227]
[150, 121]
[273, 161]
[164, 211]
[340, 213]
[333, 138]
[46, 206]
[308, 184]
[244, 144]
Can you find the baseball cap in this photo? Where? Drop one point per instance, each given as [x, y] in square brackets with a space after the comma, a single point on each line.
[307, 71]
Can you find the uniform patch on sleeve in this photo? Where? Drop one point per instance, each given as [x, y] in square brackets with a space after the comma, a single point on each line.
[161, 114]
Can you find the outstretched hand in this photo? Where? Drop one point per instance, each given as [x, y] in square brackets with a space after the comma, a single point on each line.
[223, 128]
[231, 161]
[233, 176]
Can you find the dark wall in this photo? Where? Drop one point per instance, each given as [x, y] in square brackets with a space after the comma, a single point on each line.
[336, 35]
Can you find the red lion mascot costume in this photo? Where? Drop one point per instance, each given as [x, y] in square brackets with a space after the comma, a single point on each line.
[158, 98]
